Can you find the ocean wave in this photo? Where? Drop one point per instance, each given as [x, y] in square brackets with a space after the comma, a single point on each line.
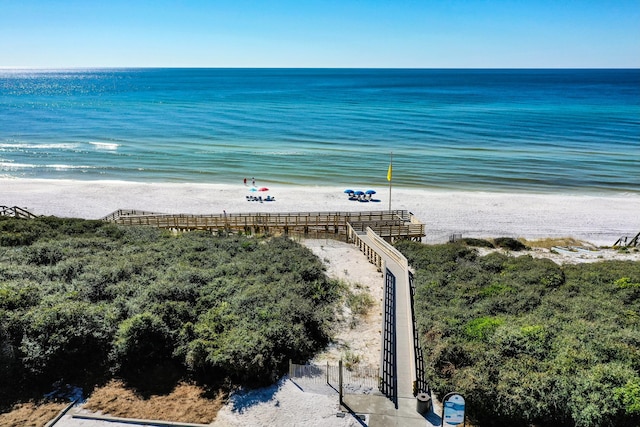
[15, 166]
[104, 145]
[284, 153]
[31, 146]
[66, 167]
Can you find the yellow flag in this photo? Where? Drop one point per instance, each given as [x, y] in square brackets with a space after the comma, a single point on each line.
[389, 173]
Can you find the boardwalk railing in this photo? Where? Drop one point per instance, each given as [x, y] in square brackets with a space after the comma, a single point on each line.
[382, 246]
[372, 255]
[625, 241]
[421, 382]
[16, 212]
[114, 216]
[388, 354]
[395, 224]
[355, 215]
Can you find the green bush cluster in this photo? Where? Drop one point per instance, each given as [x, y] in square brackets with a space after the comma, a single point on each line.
[477, 243]
[529, 342]
[509, 243]
[82, 301]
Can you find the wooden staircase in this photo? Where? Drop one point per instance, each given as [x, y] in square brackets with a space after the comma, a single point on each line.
[625, 242]
[16, 212]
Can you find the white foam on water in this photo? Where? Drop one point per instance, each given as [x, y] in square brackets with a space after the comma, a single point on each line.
[66, 167]
[104, 145]
[15, 166]
[30, 146]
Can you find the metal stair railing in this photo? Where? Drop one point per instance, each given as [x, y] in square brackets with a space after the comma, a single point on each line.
[388, 365]
[421, 382]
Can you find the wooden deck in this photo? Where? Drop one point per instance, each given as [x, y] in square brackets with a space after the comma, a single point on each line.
[390, 225]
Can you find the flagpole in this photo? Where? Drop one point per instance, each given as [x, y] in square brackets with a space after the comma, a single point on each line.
[389, 176]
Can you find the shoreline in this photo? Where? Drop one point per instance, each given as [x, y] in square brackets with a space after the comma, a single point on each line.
[597, 219]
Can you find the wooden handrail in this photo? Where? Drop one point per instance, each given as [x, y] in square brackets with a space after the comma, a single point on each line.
[385, 247]
[395, 214]
[16, 212]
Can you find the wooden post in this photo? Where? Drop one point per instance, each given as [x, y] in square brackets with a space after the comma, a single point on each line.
[390, 176]
[340, 381]
[327, 372]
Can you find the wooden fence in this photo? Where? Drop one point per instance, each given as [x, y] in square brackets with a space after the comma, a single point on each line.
[355, 379]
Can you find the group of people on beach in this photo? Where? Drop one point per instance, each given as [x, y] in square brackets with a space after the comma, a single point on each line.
[260, 199]
[361, 196]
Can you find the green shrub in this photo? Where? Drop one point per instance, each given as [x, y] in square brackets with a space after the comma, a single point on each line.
[141, 341]
[509, 243]
[529, 342]
[359, 303]
[625, 282]
[481, 328]
[478, 243]
[18, 295]
[629, 394]
[75, 291]
[47, 253]
[66, 339]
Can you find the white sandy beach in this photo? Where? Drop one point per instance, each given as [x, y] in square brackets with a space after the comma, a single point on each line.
[600, 220]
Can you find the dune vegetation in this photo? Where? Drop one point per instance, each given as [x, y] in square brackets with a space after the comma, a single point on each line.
[83, 302]
[529, 342]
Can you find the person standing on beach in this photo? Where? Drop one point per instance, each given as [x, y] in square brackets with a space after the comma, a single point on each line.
[245, 181]
[253, 182]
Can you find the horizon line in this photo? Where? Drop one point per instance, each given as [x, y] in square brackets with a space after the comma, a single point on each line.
[11, 67]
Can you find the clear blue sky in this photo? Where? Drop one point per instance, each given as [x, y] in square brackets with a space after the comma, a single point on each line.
[326, 33]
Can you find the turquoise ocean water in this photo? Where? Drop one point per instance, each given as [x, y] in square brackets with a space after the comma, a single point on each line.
[552, 131]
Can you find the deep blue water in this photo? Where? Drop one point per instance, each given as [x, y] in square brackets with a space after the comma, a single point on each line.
[491, 130]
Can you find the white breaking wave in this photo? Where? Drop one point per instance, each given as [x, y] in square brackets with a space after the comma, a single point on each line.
[59, 146]
[104, 145]
[65, 167]
[16, 166]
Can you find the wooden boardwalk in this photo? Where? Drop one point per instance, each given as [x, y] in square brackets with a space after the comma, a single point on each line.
[401, 364]
[390, 225]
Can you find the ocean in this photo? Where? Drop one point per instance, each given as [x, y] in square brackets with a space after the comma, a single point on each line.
[548, 131]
